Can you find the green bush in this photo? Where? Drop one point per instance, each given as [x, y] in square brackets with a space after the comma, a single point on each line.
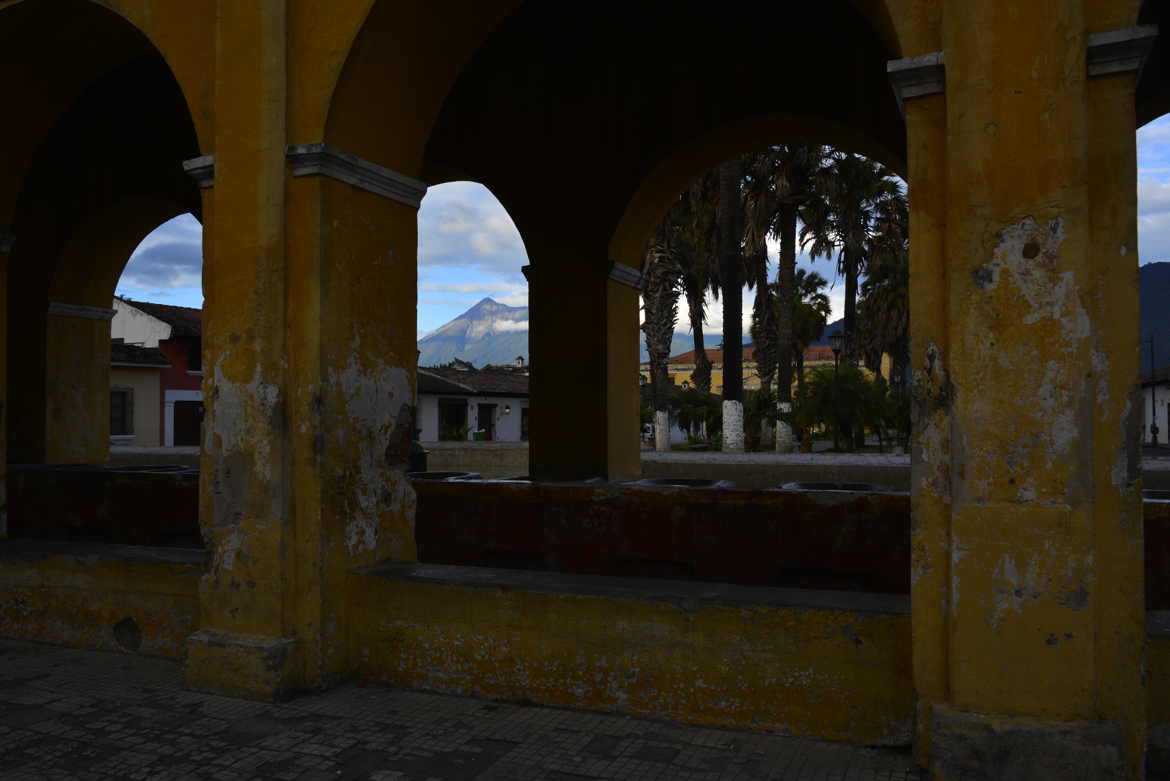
[448, 434]
[844, 403]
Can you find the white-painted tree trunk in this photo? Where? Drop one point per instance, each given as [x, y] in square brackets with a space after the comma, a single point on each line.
[785, 441]
[732, 427]
[661, 430]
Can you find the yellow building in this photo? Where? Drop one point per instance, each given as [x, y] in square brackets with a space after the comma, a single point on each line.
[311, 131]
[683, 365]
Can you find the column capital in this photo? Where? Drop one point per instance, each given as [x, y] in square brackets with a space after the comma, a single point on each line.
[202, 170]
[915, 77]
[321, 159]
[626, 275]
[1120, 51]
[6, 242]
[58, 309]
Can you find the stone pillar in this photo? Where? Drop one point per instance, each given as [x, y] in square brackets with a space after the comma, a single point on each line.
[77, 384]
[352, 356]
[1027, 534]
[6, 242]
[247, 644]
[583, 342]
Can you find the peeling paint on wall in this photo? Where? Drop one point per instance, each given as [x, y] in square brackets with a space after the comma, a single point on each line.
[378, 412]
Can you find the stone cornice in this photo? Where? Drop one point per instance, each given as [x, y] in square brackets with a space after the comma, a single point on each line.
[1120, 51]
[6, 242]
[324, 160]
[915, 77]
[625, 275]
[202, 170]
[58, 309]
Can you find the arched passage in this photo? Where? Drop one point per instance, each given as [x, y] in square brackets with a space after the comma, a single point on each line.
[623, 131]
[108, 172]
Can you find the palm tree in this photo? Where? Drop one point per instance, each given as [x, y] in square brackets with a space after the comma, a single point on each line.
[809, 316]
[884, 310]
[730, 226]
[759, 205]
[795, 174]
[840, 219]
[697, 254]
[660, 303]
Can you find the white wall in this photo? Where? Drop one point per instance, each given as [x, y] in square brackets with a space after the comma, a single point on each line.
[507, 425]
[134, 326]
[428, 418]
[1161, 396]
[145, 383]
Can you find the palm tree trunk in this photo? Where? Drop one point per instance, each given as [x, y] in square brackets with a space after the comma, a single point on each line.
[731, 276]
[701, 376]
[850, 303]
[785, 278]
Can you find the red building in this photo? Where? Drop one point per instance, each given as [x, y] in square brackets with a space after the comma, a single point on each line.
[177, 332]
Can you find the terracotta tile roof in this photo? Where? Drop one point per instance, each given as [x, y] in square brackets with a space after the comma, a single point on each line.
[122, 354]
[477, 382]
[811, 354]
[714, 356]
[184, 321]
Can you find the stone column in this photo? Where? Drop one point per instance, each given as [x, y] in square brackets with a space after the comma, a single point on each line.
[1027, 596]
[352, 357]
[247, 644]
[6, 242]
[77, 384]
[583, 341]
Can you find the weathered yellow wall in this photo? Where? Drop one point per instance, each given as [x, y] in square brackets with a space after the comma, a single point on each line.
[74, 595]
[145, 384]
[77, 385]
[823, 673]
[1158, 682]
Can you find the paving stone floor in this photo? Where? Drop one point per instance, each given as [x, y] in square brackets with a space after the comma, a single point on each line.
[78, 714]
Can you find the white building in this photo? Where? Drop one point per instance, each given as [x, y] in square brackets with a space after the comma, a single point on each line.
[1156, 402]
[460, 402]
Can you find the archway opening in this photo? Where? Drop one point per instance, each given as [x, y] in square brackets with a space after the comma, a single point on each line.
[473, 323]
[100, 169]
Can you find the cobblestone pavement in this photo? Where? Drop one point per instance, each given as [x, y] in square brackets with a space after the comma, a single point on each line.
[77, 714]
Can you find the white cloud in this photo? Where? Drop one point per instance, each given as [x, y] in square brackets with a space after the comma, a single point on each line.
[504, 326]
[461, 224]
[517, 299]
[479, 287]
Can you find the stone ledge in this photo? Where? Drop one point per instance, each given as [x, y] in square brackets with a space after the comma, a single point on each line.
[686, 594]
[248, 666]
[978, 746]
[89, 552]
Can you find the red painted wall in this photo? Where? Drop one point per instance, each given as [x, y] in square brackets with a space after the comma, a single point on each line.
[178, 353]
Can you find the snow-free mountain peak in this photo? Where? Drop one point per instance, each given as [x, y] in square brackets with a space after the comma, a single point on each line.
[487, 333]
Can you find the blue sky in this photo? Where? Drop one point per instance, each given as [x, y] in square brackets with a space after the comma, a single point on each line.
[469, 248]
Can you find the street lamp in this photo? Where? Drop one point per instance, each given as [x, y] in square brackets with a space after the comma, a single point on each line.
[837, 343]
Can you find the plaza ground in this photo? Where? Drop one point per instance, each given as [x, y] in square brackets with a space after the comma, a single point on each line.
[69, 713]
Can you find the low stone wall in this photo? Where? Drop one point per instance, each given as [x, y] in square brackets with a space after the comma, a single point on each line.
[1158, 692]
[768, 470]
[823, 540]
[113, 597]
[117, 505]
[759, 471]
[490, 459]
[798, 662]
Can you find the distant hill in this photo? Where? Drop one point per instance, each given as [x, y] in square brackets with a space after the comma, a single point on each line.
[684, 342]
[493, 333]
[488, 333]
[1154, 281]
